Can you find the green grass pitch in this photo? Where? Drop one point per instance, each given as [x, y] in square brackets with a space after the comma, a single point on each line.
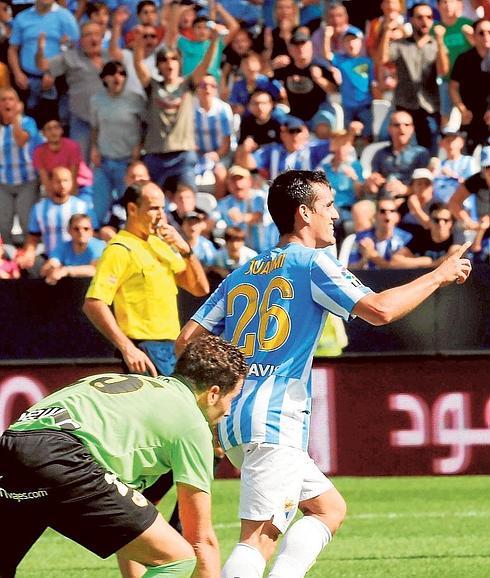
[397, 527]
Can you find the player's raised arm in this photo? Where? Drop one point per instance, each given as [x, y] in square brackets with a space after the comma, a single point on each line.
[392, 304]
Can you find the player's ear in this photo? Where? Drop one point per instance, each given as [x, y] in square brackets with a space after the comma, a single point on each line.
[213, 394]
[304, 213]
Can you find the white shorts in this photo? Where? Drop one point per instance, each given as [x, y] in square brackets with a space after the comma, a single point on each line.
[274, 479]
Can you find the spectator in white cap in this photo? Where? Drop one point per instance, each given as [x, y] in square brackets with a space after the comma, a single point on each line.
[421, 196]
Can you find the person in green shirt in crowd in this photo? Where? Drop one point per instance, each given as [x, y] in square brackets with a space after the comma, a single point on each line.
[78, 460]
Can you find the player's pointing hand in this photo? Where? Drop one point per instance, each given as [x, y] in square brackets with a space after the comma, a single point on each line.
[455, 268]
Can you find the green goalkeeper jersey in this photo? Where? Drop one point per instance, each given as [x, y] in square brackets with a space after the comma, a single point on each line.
[136, 427]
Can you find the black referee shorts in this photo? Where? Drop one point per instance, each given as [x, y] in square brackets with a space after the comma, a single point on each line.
[49, 479]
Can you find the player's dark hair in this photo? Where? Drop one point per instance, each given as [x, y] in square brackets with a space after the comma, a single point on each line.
[133, 193]
[288, 191]
[208, 361]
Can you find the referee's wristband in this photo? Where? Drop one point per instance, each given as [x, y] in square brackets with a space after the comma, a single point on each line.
[189, 253]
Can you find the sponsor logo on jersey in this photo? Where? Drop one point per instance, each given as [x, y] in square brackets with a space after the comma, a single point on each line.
[32, 414]
[260, 370]
[20, 496]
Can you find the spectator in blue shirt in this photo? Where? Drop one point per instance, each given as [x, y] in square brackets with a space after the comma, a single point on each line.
[357, 73]
[454, 168]
[213, 120]
[245, 208]
[392, 167]
[19, 188]
[374, 247]
[48, 219]
[295, 151]
[345, 175]
[193, 228]
[77, 257]
[234, 254]
[57, 25]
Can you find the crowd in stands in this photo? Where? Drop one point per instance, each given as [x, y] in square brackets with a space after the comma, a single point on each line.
[212, 100]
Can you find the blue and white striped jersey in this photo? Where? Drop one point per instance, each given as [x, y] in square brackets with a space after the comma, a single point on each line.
[50, 220]
[16, 162]
[213, 125]
[274, 308]
[275, 158]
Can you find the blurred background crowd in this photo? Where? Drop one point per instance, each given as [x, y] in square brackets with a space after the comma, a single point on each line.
[211, 100]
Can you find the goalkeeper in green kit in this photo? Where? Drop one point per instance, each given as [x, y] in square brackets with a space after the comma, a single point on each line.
[77, 461]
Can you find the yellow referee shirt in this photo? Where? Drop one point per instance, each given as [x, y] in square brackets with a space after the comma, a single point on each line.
[137, 277]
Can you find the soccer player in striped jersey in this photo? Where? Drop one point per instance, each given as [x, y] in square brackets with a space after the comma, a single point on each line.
[274, 308]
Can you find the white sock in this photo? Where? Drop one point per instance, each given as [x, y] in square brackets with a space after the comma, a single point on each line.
[244, 562]
[300, 547]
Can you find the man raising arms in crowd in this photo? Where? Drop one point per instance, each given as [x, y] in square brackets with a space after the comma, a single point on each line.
[273, 309]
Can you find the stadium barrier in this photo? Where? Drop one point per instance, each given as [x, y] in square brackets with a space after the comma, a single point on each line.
[371, 417]
[43, 322]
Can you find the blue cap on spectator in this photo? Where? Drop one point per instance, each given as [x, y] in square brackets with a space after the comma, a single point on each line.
[292, 122]
[353, 31]
[485, 157]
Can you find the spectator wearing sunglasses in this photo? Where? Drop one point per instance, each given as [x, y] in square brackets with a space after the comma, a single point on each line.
[148, 15]
[146, 35]
[391, 168]
[116, 117]
[76, 257]
[373, 248]
[429, 247]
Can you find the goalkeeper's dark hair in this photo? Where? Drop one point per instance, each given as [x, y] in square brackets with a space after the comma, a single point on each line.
[208, 360]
